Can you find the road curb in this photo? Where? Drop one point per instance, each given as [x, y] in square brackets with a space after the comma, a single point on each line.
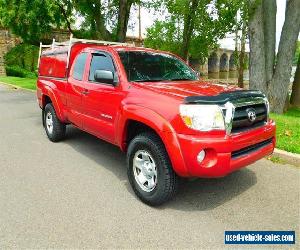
[288, 157]
[16, 87]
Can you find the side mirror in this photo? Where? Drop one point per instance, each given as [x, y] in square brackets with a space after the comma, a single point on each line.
[104, 76]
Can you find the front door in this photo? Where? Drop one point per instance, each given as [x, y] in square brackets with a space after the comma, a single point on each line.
[101, 101]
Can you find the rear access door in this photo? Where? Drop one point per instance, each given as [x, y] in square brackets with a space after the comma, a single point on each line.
[75, 90]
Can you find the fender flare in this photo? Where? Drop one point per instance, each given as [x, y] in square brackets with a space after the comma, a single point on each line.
[161, 126]
[56, 102]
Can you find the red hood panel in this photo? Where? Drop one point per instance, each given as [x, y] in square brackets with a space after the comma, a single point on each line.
[182, 89]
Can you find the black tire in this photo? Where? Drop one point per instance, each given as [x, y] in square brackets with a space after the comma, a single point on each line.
[58, 131]
[167, 180]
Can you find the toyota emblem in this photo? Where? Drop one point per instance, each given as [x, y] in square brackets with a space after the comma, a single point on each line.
[251, 114]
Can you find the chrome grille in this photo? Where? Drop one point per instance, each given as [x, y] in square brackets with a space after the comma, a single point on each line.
[241, 121]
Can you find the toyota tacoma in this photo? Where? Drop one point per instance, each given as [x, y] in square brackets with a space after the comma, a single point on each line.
[154, 107]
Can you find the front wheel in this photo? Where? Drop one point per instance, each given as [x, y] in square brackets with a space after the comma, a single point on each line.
[149, 170]
[54, 128]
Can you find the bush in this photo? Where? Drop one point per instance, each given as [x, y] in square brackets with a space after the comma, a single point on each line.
[24, 56]
[19, 72]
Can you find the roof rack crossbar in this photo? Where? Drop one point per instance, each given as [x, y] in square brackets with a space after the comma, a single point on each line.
[75, 40]
[72, 41]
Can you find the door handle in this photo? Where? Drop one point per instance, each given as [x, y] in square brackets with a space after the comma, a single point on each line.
[85, 92]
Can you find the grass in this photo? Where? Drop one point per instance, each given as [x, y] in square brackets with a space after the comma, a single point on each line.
[288, 124]
[276, 159]
[26, 83]
[288, 130]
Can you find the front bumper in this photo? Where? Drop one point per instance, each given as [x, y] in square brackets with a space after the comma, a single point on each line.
[227, 154]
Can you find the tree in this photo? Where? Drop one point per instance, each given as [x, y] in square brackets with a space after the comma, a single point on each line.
[66, 11]
[105, 20]
[188, 26]
[297, 53]
[241, 25]
[192, 27]
[295, 97]
[94, 14]
[30, 20]
[267, 74]
[241, 64]
[123, 17]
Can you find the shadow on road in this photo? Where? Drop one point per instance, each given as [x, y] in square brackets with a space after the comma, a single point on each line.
[103, 153]
[206, 194]
[197, 194]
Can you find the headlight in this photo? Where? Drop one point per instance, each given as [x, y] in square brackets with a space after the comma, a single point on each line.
[202, 117]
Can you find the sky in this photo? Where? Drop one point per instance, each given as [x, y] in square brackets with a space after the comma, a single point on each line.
[148, 19]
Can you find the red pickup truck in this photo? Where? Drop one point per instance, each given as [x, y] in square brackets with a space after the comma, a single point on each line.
[155, 108]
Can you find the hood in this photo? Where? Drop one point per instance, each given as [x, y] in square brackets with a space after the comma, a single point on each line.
[182, 89]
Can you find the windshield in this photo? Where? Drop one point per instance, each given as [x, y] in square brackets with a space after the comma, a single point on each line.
[143, 66]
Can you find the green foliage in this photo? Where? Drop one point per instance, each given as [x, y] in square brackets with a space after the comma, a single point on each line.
[288, 132]
[21, 61]
[246, 62]
[164, 36]
[297, 54]
[31, 20]
[19, 72]
[24, 56]
[276, 159]
[102, 19]
[235, 56]
[212, 20]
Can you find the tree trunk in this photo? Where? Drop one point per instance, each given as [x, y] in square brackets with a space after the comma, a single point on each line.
[286, 103]
[101, 31]
[242, 59]
[140, 22]
[123, 17]
[287, 46]
[295, 97]
[269, 10]
[189, 21]
[257, 74]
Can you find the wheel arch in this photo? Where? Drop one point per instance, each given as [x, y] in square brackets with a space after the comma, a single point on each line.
[48, 96]
[136, 119]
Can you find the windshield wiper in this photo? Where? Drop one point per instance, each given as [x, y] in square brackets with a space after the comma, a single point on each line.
[180, 79]
[149, 80]
[163, 80]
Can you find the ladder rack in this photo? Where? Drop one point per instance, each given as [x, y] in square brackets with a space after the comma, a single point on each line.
[72, 41]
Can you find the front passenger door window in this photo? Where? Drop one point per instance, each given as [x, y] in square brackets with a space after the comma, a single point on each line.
[101, 62]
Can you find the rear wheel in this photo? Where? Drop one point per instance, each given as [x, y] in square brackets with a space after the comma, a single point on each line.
[149, 170]
[55, 129]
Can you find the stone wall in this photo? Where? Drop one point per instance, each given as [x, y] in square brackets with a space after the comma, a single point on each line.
[59, 35]
[7, 41]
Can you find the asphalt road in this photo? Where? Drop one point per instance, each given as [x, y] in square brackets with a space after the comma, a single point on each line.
[75, 194]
